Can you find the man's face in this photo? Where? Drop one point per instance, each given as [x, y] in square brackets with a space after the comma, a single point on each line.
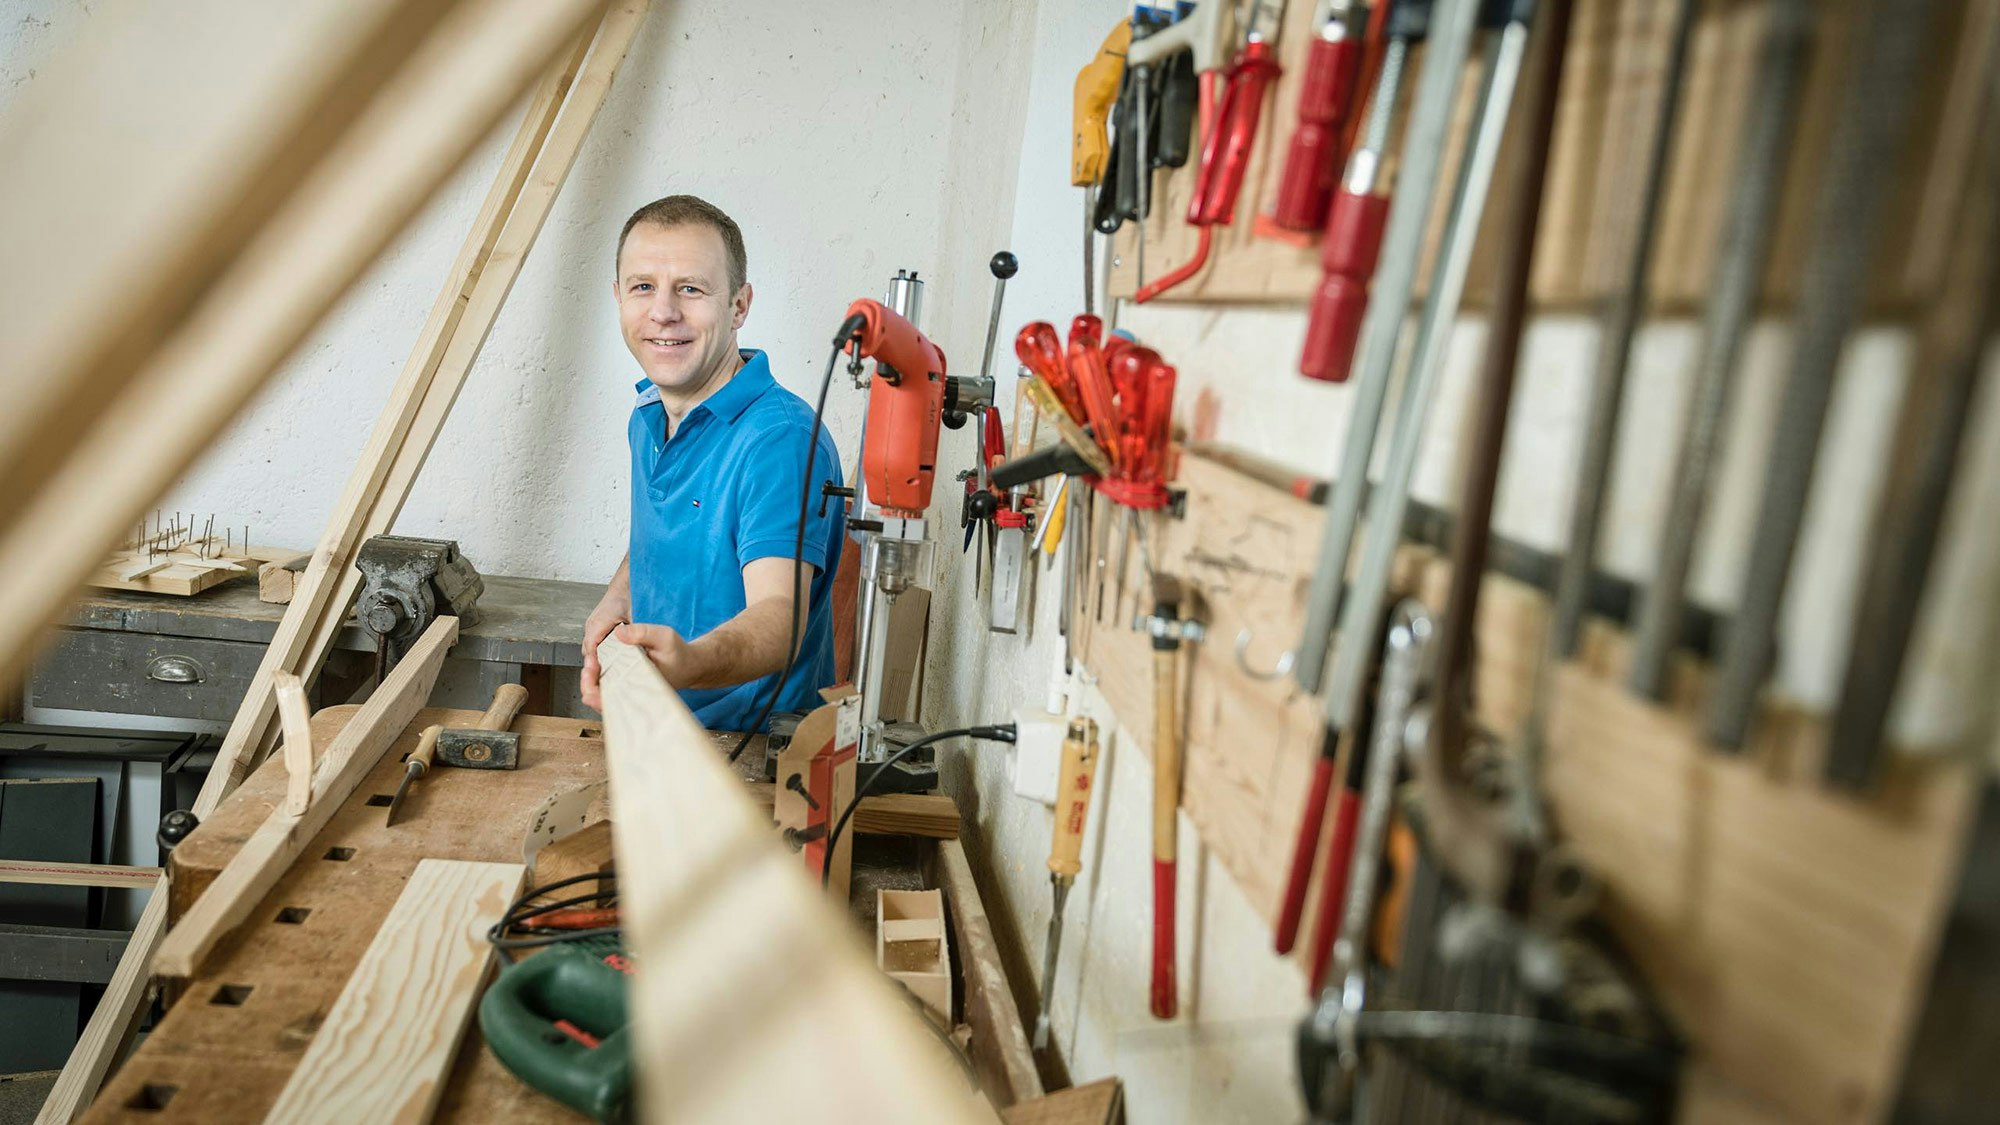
[674, 304]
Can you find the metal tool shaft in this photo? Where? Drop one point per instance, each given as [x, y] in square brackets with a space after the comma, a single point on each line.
[1732, 301]
[1929, 435]
[1362, 611]
[1868, 136]
[1445, 53]
[1617, 324]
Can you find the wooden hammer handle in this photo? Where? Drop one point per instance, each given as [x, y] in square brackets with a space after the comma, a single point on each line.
[506, 704]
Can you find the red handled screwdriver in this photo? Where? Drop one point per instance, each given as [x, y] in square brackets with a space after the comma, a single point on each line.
[1326, 95]
[1354, 223]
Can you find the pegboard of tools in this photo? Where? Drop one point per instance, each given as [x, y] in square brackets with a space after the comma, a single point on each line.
[1796, 992]
[1605, 117]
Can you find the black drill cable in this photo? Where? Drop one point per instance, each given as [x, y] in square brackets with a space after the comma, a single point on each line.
[1003, 732]
[849, 328]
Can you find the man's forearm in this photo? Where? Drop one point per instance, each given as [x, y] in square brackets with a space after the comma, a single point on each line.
[745, 647]
[619, 589]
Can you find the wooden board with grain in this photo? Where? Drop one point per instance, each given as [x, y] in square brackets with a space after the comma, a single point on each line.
[734, 942]
[1789, 929]
[1617, 51]
[383, 1050]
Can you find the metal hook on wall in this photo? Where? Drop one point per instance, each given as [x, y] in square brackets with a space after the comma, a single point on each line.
[1278, 671]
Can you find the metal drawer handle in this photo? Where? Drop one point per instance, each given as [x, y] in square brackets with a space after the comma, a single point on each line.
[174, 670]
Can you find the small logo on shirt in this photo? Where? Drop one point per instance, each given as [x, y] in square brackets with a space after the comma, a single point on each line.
[697, 503]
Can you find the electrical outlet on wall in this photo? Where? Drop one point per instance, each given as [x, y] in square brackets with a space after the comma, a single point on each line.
[1038, 740]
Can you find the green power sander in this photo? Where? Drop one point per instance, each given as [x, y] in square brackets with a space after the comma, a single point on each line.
[557, 1020]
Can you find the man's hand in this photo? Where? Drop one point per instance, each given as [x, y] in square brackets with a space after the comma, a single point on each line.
[667, 649]
[611, 612]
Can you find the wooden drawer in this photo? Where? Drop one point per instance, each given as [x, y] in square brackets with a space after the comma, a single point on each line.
[143, 674]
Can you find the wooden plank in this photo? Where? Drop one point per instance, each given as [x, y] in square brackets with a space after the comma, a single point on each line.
[383, 1051]
[1097, 1103]
[735, 944]
[347, 760]
[52, 873]
[391, 471]
[297, 718]
[1001, 1053]
[892, 814]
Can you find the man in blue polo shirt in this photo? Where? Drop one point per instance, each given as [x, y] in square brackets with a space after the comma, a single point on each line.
[720, 456]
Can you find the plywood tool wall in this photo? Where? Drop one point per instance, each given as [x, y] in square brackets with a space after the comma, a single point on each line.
[1788, 929]
[1611, 86]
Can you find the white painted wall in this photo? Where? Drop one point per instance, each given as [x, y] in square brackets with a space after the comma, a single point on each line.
[926, 135]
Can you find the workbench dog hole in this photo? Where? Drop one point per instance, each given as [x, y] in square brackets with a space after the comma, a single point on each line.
[340, 855]
[232, 995]
[381, 801]
[293, 915]
[152, 1097]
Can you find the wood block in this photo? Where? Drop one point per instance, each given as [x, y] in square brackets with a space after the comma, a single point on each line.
[1099, 1103]
[587, 851]
[384, 1049]
[910, 947]
[1000, 1052]
[277, 578]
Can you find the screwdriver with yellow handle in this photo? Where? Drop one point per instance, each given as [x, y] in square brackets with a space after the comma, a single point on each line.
[1078, 774]
[1090, 143]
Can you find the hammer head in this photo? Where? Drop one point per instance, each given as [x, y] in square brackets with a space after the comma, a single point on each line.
[479, 749]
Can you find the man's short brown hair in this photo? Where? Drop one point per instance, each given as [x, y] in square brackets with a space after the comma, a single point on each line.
[690, 210]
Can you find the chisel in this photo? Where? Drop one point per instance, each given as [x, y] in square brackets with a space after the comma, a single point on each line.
[1868, 137]
[1078, 774]
[1732, 299]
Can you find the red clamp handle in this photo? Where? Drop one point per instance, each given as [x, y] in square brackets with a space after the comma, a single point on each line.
[1348, 253]
[1311, 164]
[1226, 152]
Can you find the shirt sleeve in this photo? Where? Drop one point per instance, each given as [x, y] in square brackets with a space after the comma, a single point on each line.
[768, 507]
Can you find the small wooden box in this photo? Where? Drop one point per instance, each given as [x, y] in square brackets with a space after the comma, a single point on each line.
[910, 947]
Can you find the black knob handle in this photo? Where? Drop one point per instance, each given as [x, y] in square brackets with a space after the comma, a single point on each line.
[1004, 265]
[174, 827]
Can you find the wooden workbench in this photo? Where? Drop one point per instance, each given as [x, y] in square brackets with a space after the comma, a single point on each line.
[239, 1028]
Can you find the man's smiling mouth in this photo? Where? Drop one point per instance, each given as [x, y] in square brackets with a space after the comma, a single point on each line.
[661, 342]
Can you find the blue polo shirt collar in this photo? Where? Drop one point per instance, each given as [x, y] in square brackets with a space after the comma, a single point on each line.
[734, 397]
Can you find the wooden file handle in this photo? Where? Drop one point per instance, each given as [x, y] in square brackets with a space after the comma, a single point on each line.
[506, 704]
[1079, 772]
[427, 744]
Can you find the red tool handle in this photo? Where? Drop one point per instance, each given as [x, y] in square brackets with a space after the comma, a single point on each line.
[1042, 353]
[1156, 430]
[1352, 244]
[1293, 906]
[1166, 991]
[1306, 184]
[1333, 885]
[1226, 152]
[1093, 383]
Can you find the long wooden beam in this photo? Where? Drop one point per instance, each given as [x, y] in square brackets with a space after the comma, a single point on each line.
[268, 853]
[515, 210]
[733, 943]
